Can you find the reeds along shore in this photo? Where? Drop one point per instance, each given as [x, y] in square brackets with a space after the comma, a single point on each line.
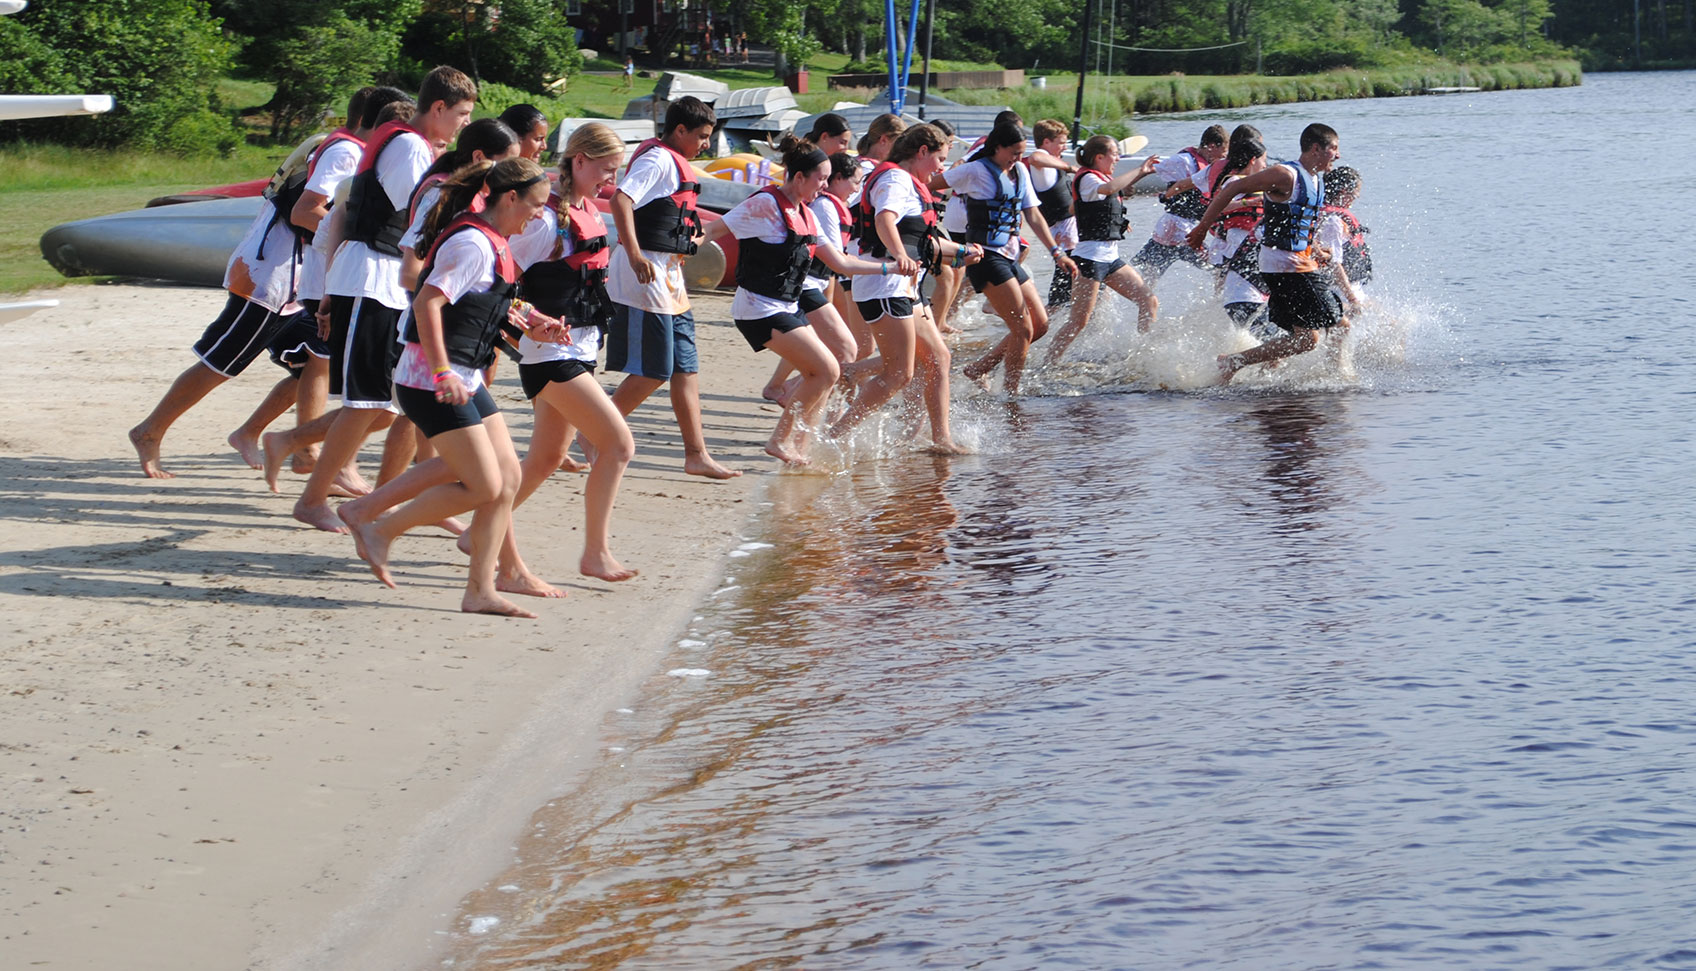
[1122, 96]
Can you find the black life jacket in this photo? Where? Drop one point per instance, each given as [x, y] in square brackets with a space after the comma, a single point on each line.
[995, 222]
[669, 224]
[1055, 202]
[844, 221]
[574, 288]
[779, 270]
[371, 218]
[1293, 225]
[1357, 253]
[1099, 220]
[472, 325]
[1187, 204]
[917, 232]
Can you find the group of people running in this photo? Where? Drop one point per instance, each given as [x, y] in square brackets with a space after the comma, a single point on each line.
[390, 270]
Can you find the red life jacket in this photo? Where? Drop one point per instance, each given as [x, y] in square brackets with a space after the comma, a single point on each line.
[1357, 253]
[917, 232]
[372, 218]
[669, 224]
[844, 225]
[471, 325]
[779, 270]
[574, 288]
[1243, 217]
[339, 135]
[479, 202]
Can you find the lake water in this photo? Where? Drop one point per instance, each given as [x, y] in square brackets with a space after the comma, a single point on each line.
[1379, 669]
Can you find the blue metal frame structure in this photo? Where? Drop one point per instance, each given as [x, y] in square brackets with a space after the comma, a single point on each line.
[900, 69]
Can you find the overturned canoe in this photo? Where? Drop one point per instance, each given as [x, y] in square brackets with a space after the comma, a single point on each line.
[192, 243]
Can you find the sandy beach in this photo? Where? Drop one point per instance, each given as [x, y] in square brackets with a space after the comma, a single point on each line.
[223, 743]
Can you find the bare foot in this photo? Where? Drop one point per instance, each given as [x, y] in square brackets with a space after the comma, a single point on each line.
[320, 516]
[490, 604]
[304, 462]
[706, 467]
[273, 457]
[248, 448]
[948, 328]
[147, 449]
[452, 526]
[981, 380]
[527, 584]
[771, 393]
[464, 544]
[603, 567]
[1228, 365]
[373, 548]
[947, 446]
[787, 456]
[569, 464]
[349, 484]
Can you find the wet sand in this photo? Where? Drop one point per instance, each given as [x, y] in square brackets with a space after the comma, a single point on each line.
[223, 743]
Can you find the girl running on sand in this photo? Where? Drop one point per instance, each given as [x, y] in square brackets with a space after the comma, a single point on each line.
[450, 329]
[779, 237]
[563, 254]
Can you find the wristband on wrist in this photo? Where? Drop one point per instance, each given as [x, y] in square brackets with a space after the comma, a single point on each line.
[883, 268]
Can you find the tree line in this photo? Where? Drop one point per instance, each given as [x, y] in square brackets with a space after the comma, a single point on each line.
[162, 59]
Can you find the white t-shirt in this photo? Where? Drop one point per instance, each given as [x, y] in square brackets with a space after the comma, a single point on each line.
[1097, 250]
[1239, 290]
[757, 217]
[464, 262]
[1066, 230]
[830, 234]
[896, 193]
[534, 245]
[1169, 230]
[334, 166]
[652, 176]
[977, 182]
[268, 282]
[866, 164]
[360, 271]
[415, 229]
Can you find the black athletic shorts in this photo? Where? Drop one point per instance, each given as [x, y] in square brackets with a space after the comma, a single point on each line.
[1301, 301]
[761, 330]
[812, 300]
[1155, 259]
[241, 333]
[1096, 270]
[435, 417]
[363, 351]
[995, 269]
[538, 376]
[298, 341]
[872, 311]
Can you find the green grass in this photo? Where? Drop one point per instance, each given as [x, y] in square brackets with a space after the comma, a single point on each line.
[42, 186]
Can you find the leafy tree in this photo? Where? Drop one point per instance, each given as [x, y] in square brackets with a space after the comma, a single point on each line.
[524, 43]
[158, 59]
[315, 67]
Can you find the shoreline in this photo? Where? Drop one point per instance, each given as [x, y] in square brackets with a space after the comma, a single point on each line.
[223, 744]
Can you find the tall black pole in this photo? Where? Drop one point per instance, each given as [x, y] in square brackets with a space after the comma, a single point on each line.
[924, 79]
[1083, 69]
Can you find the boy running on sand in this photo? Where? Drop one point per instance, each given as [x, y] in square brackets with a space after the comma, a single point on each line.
[652, 336]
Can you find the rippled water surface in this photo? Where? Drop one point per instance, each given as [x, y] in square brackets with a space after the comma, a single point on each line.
[1377, 672]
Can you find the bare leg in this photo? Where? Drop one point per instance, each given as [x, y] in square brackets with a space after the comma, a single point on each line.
[686, 405]
[311, 398]
[935, 363]
[865, 344]
[948, 285]
[1008, 300]
[245, 440]
[398, 450]
[581, 401]
[347, 432]
[1295, 342]
[1084, 293]
[790, 441]
[895, 344]
[280, 445]
[1129, 284]
[187, 390]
